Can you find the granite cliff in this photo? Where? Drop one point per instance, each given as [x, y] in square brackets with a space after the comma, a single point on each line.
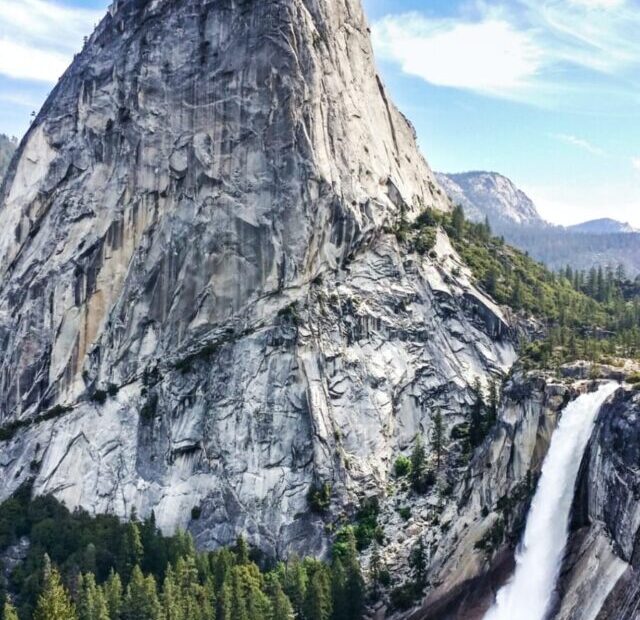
[202, 310]
[206, 309]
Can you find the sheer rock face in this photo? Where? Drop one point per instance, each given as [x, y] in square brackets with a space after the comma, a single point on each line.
[599, 576]
[603, 562]
[198, 305]
[473, 541]
[196, 157]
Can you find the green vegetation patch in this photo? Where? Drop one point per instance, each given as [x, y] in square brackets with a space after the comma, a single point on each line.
[319, 498]
[80, 567]
[367, 529]
[585, 315]
[8, 431]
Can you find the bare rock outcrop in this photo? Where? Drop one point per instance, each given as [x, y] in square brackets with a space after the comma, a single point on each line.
[202, 309]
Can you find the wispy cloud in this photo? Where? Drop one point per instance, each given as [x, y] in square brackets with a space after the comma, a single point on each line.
[599, 4]
[635, 162]
[546, 52]
[489, 56]
[581, 143]
[22, 61]
[38, 37]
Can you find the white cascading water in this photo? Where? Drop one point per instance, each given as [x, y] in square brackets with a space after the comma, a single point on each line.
[528, 595]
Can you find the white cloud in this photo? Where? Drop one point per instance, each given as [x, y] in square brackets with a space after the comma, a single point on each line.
[38, 37]
[635, 162]
[489, 56]
[546, 52]
[603, 41]
[21, 61]
[580, 143]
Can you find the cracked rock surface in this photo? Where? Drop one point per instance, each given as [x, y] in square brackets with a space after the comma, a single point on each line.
[199, 305]
[204, 312]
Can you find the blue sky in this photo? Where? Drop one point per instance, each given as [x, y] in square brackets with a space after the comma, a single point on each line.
[546, 92]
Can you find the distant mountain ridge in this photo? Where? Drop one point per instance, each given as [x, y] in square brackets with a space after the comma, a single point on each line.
[603, 226]
[512, 214]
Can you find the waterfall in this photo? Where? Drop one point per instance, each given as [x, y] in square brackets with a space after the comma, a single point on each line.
[527, 596]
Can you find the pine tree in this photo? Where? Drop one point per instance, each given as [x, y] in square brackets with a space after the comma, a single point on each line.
[209, 601]
[131, 550]
[517, 297]
[171, 599]
[295, 584]
[339, 594]
[457, 222]
[318, 597]
[487, 228]
[243, 597]
[491, 282]
[225, 601]
[89, 559]
[258, 603]
[183, 545]
[9, 612]
[141, 601]
[238, 607]
[568, 273]
[242, 550]
[191, 592]
[113, 595]
[155, 550]
[348, 589]
[355, 584]
[92, 602]
[222, 563]
[280, 604]
[476, 422]
[418, 562]
[437, 437]
[54, 602]
[375, 570]
[83, 598]
[600, 285]
[592, 283]
[418, 464]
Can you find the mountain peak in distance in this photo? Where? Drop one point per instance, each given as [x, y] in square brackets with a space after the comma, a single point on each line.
[490, 194]
[603, 226]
